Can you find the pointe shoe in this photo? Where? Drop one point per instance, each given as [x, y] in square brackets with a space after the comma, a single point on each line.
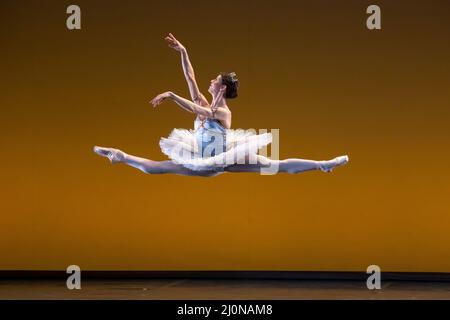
[328, 166]
[114, 155]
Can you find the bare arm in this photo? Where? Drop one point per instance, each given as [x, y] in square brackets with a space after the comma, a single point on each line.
[188, 71]
[190, 106]
[208, 111]
[189, 74]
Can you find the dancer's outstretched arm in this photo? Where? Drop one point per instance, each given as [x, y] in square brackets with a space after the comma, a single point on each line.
[209, 112]
[188, 71]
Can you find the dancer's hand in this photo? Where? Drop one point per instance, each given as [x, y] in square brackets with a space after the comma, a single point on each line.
[160, 98]
[174, 43]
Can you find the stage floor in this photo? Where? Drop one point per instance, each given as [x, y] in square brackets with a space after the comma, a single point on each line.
[220, 289]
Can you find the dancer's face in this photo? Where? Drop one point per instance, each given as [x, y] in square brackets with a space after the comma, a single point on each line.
[215, 85]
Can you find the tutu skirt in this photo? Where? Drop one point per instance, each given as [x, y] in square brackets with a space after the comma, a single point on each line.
[212, 147]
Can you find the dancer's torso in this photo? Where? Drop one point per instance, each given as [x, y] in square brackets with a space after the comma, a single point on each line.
[210, 135]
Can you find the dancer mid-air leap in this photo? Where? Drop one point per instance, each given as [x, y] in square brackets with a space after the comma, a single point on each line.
[212, 147]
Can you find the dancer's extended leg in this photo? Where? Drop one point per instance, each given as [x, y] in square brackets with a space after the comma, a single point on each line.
[149, 166]
[288, 165]
[270, 166]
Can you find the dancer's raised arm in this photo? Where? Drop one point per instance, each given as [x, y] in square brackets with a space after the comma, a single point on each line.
[188, 71]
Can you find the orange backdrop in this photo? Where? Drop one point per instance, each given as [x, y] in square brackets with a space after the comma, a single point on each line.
[309, 68]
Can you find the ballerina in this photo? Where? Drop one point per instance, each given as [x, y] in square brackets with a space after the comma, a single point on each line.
[212, 147]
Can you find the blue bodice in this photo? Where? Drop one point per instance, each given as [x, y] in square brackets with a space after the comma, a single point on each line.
[210, 136]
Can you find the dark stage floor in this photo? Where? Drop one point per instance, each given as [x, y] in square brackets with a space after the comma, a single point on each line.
[220, 289]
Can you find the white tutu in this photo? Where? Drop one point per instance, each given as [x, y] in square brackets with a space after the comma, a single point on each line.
[239, 146]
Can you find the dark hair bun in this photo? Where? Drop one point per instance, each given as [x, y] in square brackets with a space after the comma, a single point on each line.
[231, 81]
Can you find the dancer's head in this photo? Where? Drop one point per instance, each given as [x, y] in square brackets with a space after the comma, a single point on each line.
[228, 80]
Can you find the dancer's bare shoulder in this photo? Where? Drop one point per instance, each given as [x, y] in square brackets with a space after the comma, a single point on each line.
[223, 114]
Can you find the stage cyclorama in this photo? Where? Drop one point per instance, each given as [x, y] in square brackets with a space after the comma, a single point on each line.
[295, 140]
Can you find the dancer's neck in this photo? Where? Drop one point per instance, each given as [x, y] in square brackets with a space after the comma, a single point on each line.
[221, 103]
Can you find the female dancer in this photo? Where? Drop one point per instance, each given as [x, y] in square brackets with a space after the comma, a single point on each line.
[212, 147]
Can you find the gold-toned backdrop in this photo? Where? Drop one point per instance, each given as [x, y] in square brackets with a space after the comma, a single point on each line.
[310, 68]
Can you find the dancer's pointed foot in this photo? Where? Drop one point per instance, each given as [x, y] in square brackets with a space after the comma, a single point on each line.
[328, 166]
[114, 155]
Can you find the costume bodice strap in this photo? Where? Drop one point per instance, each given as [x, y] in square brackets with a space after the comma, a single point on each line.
[208, 124]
